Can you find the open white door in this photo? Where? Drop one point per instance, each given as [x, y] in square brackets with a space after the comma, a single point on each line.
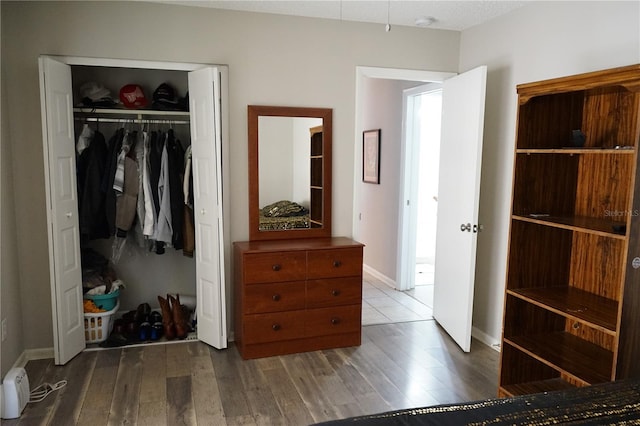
[62, 209]
[463, 103]
[206, 146]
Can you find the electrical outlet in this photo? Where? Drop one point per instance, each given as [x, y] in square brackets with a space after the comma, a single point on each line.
[4, 329]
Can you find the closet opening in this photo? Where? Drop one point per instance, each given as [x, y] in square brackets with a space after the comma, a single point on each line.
[135, 234]
[124, 181]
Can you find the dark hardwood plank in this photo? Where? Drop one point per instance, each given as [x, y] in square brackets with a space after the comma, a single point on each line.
[262, 403]
[152, 406]
[289, 401]
[79, 370]
[314, 394]
[177, 355]
[180, 410]
[362, 391]
[126, 393]
[204, 386]
[232, 395]
[97, 402]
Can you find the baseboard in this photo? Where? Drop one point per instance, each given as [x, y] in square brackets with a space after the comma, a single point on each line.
[32, 354]
[380, 276]
[485, 338]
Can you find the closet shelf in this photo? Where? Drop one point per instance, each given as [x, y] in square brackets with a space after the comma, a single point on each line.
[130, 112]
[120, 115]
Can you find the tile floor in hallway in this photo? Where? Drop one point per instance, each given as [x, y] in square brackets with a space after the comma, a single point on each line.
[384, 305]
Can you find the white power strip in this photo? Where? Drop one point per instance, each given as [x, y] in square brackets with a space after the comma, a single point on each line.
[15, 389]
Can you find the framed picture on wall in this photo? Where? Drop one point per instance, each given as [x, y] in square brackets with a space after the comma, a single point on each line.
[371, 156]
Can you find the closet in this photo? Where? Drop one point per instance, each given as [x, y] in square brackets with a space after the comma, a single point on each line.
[145, 273]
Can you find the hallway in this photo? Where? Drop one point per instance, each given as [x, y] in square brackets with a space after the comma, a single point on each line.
[382, 304]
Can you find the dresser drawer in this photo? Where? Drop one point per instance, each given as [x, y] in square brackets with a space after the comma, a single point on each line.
[334, 292]
[260, 298]
[260, 328]
[326, 321]
[275, 267]
[334, 263]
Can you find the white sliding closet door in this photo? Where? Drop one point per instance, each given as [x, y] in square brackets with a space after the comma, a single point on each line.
[62, 209]
[206, 141]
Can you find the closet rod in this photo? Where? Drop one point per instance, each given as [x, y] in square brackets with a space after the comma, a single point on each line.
[130, 120]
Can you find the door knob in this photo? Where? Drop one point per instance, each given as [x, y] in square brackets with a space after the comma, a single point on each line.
[465, 227]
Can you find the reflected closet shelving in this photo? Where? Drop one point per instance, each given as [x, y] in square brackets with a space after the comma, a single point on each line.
[573, 283]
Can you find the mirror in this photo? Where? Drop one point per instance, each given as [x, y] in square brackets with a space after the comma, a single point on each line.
[289, 172]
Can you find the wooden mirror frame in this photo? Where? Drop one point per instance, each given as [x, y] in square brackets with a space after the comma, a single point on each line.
[254, 112]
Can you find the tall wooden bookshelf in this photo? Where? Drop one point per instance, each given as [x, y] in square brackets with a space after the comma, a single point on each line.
[572, 302]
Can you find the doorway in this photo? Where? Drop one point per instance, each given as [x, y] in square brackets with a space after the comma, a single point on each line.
[379, 99]
[422, 120]
[384, 208]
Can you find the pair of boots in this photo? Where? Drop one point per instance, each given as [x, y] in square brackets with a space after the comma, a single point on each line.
[174, 317]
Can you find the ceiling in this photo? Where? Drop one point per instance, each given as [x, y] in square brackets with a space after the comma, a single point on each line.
[448, 15]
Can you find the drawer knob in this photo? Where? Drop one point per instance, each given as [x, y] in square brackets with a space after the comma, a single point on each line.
[337, 264]
[276, 267]
[275, 327]
[335, 320]
[275, 297]
[335, 292]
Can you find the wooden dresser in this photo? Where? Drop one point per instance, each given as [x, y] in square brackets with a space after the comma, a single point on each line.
[297, 295]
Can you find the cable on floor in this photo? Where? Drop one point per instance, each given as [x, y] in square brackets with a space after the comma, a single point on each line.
[39, 393]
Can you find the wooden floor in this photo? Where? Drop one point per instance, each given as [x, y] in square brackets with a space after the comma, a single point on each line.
[398, 366]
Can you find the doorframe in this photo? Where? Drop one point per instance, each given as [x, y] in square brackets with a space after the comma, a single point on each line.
[363, 72]
[225, 161]
[408, 206]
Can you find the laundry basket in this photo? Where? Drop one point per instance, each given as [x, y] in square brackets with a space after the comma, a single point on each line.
[98, 326]
[104, 301]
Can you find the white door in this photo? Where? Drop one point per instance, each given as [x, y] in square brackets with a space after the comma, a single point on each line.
[206, 146]
[62, 209]
[463, 103]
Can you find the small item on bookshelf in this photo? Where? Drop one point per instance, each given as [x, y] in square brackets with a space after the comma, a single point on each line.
[578, 138]
[620, 229]
[537, 215]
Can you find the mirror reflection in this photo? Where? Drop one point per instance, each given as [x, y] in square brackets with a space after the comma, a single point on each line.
[289, 172]
[285, 173]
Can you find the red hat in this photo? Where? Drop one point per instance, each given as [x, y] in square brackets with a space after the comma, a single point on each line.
[132, 96]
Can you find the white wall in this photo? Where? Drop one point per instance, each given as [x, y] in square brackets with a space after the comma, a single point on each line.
[379, 203]
[275, 159]
[540, 41]
[263, 53]
[9, 275]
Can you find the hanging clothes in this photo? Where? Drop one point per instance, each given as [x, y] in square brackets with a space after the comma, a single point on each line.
[126, 186]
[175, 164]
[115, 143]
[164, 232]
[149, 220]
[84, 140]
[91, 167]
[189, 227]
[138, 224]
